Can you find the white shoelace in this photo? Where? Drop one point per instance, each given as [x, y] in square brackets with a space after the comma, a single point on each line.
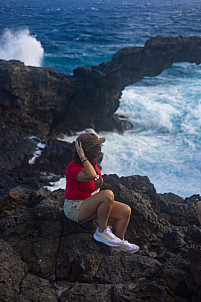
[109, 232]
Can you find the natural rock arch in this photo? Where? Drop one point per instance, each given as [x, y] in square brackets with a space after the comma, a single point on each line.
[42, 100]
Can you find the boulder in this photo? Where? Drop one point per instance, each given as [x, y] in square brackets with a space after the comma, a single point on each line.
[13, 270]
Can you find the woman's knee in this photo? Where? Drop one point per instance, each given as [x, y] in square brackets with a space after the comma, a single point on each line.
[108, 196]
[127, 210]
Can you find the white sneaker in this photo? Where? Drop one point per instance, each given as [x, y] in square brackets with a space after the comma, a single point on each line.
[107, 237]
[127, 247]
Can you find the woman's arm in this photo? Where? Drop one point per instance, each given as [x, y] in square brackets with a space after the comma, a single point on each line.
[89, 172]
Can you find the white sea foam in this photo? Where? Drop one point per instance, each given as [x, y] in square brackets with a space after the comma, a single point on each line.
[21, 45]
[165, 143]
[141, 107]
[40, 147]
[60, 184]
[191, 123]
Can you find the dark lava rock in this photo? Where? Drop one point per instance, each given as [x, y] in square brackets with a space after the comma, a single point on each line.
[46, 257]
[39, 100]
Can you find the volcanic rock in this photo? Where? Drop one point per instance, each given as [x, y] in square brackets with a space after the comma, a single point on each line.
[44, 255]
[34, 99]
[47, 257]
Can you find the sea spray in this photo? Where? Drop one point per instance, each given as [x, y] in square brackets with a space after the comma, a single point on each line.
[21, 45]
[165, 142]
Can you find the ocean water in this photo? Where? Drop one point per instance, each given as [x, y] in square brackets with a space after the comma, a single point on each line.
[165, 143]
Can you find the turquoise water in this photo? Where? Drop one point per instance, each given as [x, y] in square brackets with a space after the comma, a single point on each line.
[166, 110]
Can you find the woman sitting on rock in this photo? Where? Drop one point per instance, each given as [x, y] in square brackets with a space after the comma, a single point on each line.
[84, 201]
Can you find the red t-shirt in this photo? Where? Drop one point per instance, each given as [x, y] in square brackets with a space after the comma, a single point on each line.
[78, 190]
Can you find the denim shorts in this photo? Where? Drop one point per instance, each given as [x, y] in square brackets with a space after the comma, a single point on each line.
[71, 209]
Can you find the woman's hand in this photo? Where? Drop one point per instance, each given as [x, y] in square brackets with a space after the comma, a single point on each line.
[79, 150]
[89, 172]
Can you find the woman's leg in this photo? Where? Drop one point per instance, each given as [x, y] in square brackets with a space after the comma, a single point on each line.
[103, 206]
[198, 206]
[121, 213]
[99, 205]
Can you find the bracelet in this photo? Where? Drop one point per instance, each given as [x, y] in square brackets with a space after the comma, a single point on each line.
[84, 160]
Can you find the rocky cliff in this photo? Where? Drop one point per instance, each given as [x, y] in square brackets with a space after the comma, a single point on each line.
[42, 100]
[46, 257]
[37, 104]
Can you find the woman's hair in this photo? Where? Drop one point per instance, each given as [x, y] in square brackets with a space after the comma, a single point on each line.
[92, 154]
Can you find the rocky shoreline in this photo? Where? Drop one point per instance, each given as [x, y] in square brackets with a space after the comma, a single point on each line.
[38, 105]
[50, 103]
[45, 256]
